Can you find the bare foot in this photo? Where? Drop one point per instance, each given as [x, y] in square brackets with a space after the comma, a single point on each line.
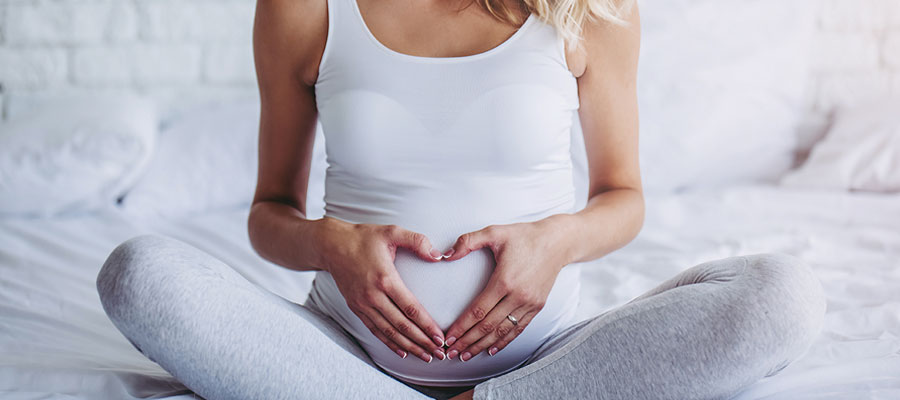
[467, 395]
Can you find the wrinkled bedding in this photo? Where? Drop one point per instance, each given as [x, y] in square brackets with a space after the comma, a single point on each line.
[56, 342]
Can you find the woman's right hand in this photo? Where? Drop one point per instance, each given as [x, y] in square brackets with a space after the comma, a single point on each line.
[360, 258]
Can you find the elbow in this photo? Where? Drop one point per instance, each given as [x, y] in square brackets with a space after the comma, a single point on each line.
[253, 227]
[641, 214]
[638, 213]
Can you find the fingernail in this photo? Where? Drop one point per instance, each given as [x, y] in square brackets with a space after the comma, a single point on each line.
[493, 351]
[449, 253]
[437, 340]
[465, 356]
[401, 353]
[451, 340]
[452, 354]
[439, 354]
[435, 254]
[427, 357]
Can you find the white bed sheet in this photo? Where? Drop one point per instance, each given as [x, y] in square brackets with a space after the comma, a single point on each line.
[56, 342]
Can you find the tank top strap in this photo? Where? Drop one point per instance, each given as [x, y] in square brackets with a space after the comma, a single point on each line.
[344, 33]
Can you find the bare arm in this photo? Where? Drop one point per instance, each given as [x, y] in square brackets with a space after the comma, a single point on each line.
[614, 213]
[288, 39]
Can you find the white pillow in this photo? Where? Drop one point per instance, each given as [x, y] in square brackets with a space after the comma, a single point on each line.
[721, 86]
[74, 154]
[861, 151]
[206, 160]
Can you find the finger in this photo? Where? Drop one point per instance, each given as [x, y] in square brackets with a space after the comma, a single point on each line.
[371, 325]
[389, 331]
[502, 328]
[414, 241]
[466, 243]
[410, 306]
[476, 311]
[525, 318]
[406, 327]
[485, 331]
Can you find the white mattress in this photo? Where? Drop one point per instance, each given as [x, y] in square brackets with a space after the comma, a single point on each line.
[56, 343]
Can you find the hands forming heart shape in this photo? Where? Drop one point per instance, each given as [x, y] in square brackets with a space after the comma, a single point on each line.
[528, 257]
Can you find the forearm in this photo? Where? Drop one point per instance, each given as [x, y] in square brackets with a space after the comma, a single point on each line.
[281, 234]
[608, 222]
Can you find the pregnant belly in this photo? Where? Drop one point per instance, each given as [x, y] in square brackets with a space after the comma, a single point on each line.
[445, 289]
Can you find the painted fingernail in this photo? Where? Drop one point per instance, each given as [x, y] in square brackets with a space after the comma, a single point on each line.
[426, 357]
[465, 356]
[449, 253]
[401, 353]
[439, 354]
[451, 340]
[435, 254]
[493, 350]
[437, 340]
[452, 354]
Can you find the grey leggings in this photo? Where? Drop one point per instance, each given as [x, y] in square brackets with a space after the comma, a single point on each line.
[705, 333]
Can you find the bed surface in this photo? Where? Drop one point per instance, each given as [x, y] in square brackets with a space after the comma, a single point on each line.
[56, 342]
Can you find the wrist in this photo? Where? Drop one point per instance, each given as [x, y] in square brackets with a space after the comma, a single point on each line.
[559, 229]
[321, 231]
[317, 233]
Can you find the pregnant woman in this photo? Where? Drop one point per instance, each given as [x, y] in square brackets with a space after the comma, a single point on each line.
[448, 259]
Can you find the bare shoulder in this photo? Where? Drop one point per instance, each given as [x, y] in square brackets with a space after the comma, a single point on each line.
[291, 34]
[606, 43]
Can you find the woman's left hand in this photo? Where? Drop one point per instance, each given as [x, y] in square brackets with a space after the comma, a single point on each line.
[528, 260]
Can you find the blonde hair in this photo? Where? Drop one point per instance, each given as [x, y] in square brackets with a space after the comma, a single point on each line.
[567, 16]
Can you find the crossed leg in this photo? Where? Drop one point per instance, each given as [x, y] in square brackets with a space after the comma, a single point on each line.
[226, 338]
[705, 333]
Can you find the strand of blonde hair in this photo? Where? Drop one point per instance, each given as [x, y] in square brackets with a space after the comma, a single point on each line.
[567, 16]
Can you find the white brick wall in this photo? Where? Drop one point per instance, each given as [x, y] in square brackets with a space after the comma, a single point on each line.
[135, 64]
[30, 68]
[38, 22]
[859, 43]
[177, 51]
[191, 50]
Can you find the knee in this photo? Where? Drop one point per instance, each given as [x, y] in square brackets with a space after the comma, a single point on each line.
[127, 271]
[789, 288]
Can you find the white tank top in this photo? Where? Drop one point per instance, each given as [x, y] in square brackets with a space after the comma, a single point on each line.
[445, 146]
